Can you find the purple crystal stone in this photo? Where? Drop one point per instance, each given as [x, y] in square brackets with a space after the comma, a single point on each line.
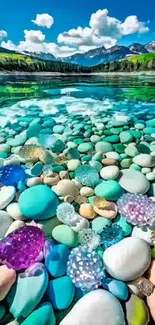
[22, 247]
[138, 209]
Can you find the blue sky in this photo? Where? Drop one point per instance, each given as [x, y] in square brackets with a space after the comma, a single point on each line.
[122, 23]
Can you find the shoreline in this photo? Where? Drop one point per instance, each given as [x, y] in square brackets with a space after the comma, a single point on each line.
[55, 74]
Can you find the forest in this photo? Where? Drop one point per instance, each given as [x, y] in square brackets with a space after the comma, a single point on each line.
[19, 62]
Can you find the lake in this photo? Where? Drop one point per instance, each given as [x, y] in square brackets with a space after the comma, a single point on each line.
[86, 95]
[91, 139]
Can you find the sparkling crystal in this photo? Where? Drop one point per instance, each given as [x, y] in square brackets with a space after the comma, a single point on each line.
[87, 175]
[138, 209]
[87, 237]
[85, 268]
[111, 235]
[21, 248]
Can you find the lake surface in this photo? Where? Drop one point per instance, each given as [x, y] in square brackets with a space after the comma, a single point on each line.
[86, 95]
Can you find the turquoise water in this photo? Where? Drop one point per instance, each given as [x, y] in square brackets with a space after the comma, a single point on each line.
[89, 95]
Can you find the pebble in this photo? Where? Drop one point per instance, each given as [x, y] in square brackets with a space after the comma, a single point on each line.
[118, 288]
[65, 235]
[56, 260]
[93, 308]
[143, 233]
[48, 225]
[109, 172]
[33, 292]
[103, 147]
[85, 147]
[133, 181]
[66, 187]
[136, 311]
[110, 190]
[43, 313]
[14, 211]
[15, 225]
[38, 202]
[5, 222]
[61, 292]
[109, 161]
[73, 164]
[108, 212]
[99, 223]
[126, 227]
[87, 211]
[126, 137]
[144, 160]
[7, 279]
[86, 191]
[151, 299]
[128, 259]
[33, 181]
[52, 179]
[7, 194]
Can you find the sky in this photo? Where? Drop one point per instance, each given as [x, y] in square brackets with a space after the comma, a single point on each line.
[65, 27]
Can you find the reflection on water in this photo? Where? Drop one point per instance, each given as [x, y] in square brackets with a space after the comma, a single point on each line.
[75, 95]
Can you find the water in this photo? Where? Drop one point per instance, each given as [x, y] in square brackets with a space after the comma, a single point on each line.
[87, 95]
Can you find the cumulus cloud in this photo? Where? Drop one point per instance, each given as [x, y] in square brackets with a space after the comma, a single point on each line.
[103, 30]
[43, 20]
[52, 48]
[3, 34]
[34, 36]
[131, 25]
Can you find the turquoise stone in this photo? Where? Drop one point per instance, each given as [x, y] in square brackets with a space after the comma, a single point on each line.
[118, 288]
[38, 202]
[43, 315]
[61, 292]
[56, 260]
[27, 292]
[110, 190]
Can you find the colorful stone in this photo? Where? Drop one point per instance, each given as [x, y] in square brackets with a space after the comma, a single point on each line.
[11, 175]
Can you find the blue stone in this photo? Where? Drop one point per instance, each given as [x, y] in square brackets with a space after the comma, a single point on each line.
[118, 288]
[61, 292]
[87, 175]
[11, 175]
[36, 170]
[56, 260]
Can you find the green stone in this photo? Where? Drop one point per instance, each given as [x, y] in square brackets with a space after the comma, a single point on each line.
[104, 147]
[116, 130]
[149, 130]
[112, 139]
[150, 123]
[99, 223]
[96, 164]
[136, 134]
[126, 137]
[135, 167]
[43, 315]
[65, 235]
[2, 310]
[131, 151]
[126, 227]
[85, 147]
[125, 163]
[86, 158]
[119, 147]
[110, 190]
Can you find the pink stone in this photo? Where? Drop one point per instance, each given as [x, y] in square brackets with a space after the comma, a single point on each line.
[7, 279]
[151, 299]
[21, 248]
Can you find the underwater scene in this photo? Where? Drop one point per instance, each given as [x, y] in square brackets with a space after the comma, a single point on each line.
[77, 200]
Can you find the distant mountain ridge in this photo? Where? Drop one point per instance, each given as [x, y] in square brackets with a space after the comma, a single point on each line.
[96, 56]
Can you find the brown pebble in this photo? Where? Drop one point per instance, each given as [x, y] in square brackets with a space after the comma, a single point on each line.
[64, 175]
[52, 180]
[109, 161]
[87, 211]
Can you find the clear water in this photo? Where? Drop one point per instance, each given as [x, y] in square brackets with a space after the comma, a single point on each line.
[88, 95]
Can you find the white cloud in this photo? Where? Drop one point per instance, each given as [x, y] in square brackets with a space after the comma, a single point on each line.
[131, 25]
[34, 36]
[3, 34]
[103, 30]
[43, 20]
[52, 48]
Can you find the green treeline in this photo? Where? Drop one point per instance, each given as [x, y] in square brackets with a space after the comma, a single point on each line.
[125, 66]
[20, 62]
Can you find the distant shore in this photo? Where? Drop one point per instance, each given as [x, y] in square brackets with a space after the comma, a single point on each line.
[55, 74]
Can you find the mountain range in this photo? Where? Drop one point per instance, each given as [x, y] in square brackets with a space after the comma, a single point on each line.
[96, 56]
